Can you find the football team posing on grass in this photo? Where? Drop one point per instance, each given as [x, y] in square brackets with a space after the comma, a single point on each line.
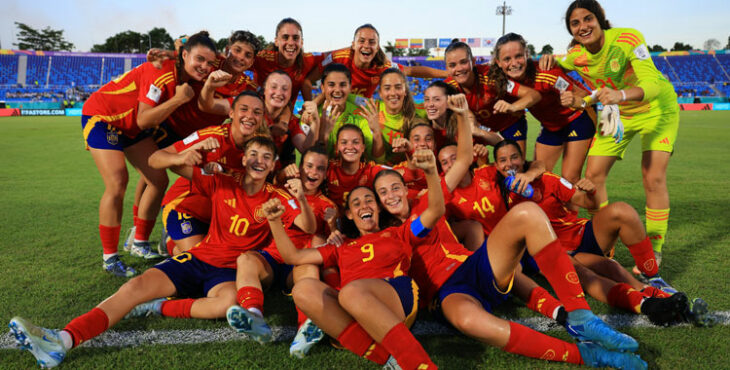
[392, 207]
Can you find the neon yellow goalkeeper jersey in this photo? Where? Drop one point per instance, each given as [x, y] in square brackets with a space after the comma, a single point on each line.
[622, 63]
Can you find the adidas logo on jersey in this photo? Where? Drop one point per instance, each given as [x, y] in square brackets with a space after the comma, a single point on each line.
[664, 141]
[231, 202]
[572, 134]
[462, 200]
[517, 134]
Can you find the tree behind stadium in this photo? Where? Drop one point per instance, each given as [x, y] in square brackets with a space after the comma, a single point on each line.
[135, 42]
[46, 39]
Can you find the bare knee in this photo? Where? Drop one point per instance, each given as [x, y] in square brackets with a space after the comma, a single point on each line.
[354, 295]
[247, 262]
[621, 212]
[305, 291]
[654, 182]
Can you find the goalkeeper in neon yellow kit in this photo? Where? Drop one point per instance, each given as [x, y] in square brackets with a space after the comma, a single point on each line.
[616, 64]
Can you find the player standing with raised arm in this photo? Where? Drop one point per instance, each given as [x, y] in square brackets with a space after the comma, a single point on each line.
[117, 122]
[616, 63]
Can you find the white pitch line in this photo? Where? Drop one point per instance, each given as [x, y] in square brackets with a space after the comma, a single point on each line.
[133, 338]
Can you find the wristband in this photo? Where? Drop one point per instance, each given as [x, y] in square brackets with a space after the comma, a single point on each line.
[418, 229]
[623, 95]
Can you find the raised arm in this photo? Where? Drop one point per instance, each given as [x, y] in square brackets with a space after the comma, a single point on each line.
[464, 143]
[424, 72]
[207, 101]
[305, 220]
[150, 117]
[273, 209]
[310, 117]
[426, 161]
[371, 112]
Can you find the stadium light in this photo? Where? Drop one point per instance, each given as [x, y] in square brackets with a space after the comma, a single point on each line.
[504, 11]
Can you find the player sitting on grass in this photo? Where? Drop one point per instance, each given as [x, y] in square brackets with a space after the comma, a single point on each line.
[207, 270]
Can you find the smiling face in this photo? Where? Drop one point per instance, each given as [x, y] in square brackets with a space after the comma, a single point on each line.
[447, 157]
[258, 161]
[365, 45]
[512, 59]
[240, 56]
[509, 158]
[362, 209]
[313, 170]
[434, 101]
[289, 42]
[336, 87]
[277, 90]
[198, 62]
[459, 66]
[393, 92]
[421, 137]
[393, 195]
[350, 145]
[246, 115]
[585, 29]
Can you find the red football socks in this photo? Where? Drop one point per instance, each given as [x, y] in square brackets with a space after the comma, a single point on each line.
[643, 254]
[179, 308]
[109, 238]
[650, 291]
[250, 297]
[624, 296]
[555, 265]
[355, 339]
[527, 342]
[405, 349]
[87, 326]
[542, 302]
[143, 228]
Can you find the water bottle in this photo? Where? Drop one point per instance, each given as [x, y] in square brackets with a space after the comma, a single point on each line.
[527, 193]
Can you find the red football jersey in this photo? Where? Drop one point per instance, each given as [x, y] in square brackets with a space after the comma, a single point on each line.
[436, 256]
[117, 102]
[284, 146]
[237, 224]
[480, 201]
[364, 81]
[227, 155]
[482, 97]
[188, 118]
[552, 193]
[267, 61]
[548, 110]
[339, 184]
[319, 204]
[415, 179]
[380, 255]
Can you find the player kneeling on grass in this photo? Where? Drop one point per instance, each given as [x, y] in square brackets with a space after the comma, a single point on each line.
[588, 241]
[207, 270]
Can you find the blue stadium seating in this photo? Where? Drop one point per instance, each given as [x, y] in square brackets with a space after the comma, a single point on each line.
[37, 70]
[9, 70]
[695, 68]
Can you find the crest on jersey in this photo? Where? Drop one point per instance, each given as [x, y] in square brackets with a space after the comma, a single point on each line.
[186, 227]
[258, 214]
[642, 52]
[112, 137]
[614, 65]
[484, 184]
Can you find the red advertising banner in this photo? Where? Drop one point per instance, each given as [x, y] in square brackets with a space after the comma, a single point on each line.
[9, 112]
[696, 106]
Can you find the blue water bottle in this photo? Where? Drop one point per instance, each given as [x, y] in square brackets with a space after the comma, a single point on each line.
[527, 193]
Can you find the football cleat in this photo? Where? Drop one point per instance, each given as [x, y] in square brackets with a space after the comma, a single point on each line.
[657, 282]
[247, 322]
[307, 336]
[147, 309]
[594, 355]
[129, 240]
[586, 326]
[143, 250]
[666, 311]
[392, 364]
[698, 313]
[45, 344]
[115, 266]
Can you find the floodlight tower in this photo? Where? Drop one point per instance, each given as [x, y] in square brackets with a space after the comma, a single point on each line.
[504, 11]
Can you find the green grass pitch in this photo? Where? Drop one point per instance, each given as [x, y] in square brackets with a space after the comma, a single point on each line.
[51, 265]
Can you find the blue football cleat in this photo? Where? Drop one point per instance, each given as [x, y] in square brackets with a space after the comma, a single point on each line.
[143, 250]
[147, 309]
[594, 355]
[247, 322]
[586, 326]
[307, 336]
[45, 344]
[115, 266]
